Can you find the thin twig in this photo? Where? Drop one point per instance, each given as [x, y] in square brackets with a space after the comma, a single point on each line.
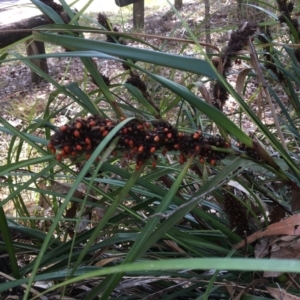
[149, 36]
[261, 78]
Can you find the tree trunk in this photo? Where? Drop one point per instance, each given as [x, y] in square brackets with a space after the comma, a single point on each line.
[138, 14]
[178, 4]
[122, 3]
[7, 38]
[34, 48]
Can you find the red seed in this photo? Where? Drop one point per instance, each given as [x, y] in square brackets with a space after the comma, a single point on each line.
[140, 126]
[92, 123]
[50, 146]
[154, 164]
[196, 135]
[131, 143]
[78, 147]
[169, 135]
[166, 129]
[53, 150]
[156, 138]
[213, 162]
[66, 149]
[125, 131]
[137, 167]
[63, 128]
[105, 133]
[227, 145]
[76, 133]
[152, 150]
[74, 153]
[147, 125]
[87, 141]
[201, 160]
[58, 157]
[197, 148]
[176, 146]
[78, 125]
[140, 149]
[181, 158]
[62, 152]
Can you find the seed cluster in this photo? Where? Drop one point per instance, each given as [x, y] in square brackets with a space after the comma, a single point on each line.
[238, 41]
[249, 151]
[286, 8]
[237, 213]
[139, 140]
[105, 22]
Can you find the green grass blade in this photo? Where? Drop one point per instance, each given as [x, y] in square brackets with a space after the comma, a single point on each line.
[6, 235]
[196, 66]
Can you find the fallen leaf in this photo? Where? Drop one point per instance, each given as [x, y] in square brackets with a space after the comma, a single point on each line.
[230, 287]
[288, 226]
[261, 248]
[281, 294]
[203, 90]
[240, 82]
[106, 261]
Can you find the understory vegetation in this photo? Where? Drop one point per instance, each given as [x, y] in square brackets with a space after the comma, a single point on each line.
[169, 170]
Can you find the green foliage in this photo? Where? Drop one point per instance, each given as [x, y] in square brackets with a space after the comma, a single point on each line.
[167, 222]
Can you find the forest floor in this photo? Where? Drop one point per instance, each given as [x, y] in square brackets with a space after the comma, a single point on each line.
[15, 82]
[16, 88]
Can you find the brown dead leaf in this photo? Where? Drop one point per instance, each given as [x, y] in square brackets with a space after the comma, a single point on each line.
[288, 226]
[241, 80]
[230, 287]
[261, 248]
[203, 90]
[106, 261]
[284, 254]
[285, 247]
[281, 294]
[43, 199]
[174, 246]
